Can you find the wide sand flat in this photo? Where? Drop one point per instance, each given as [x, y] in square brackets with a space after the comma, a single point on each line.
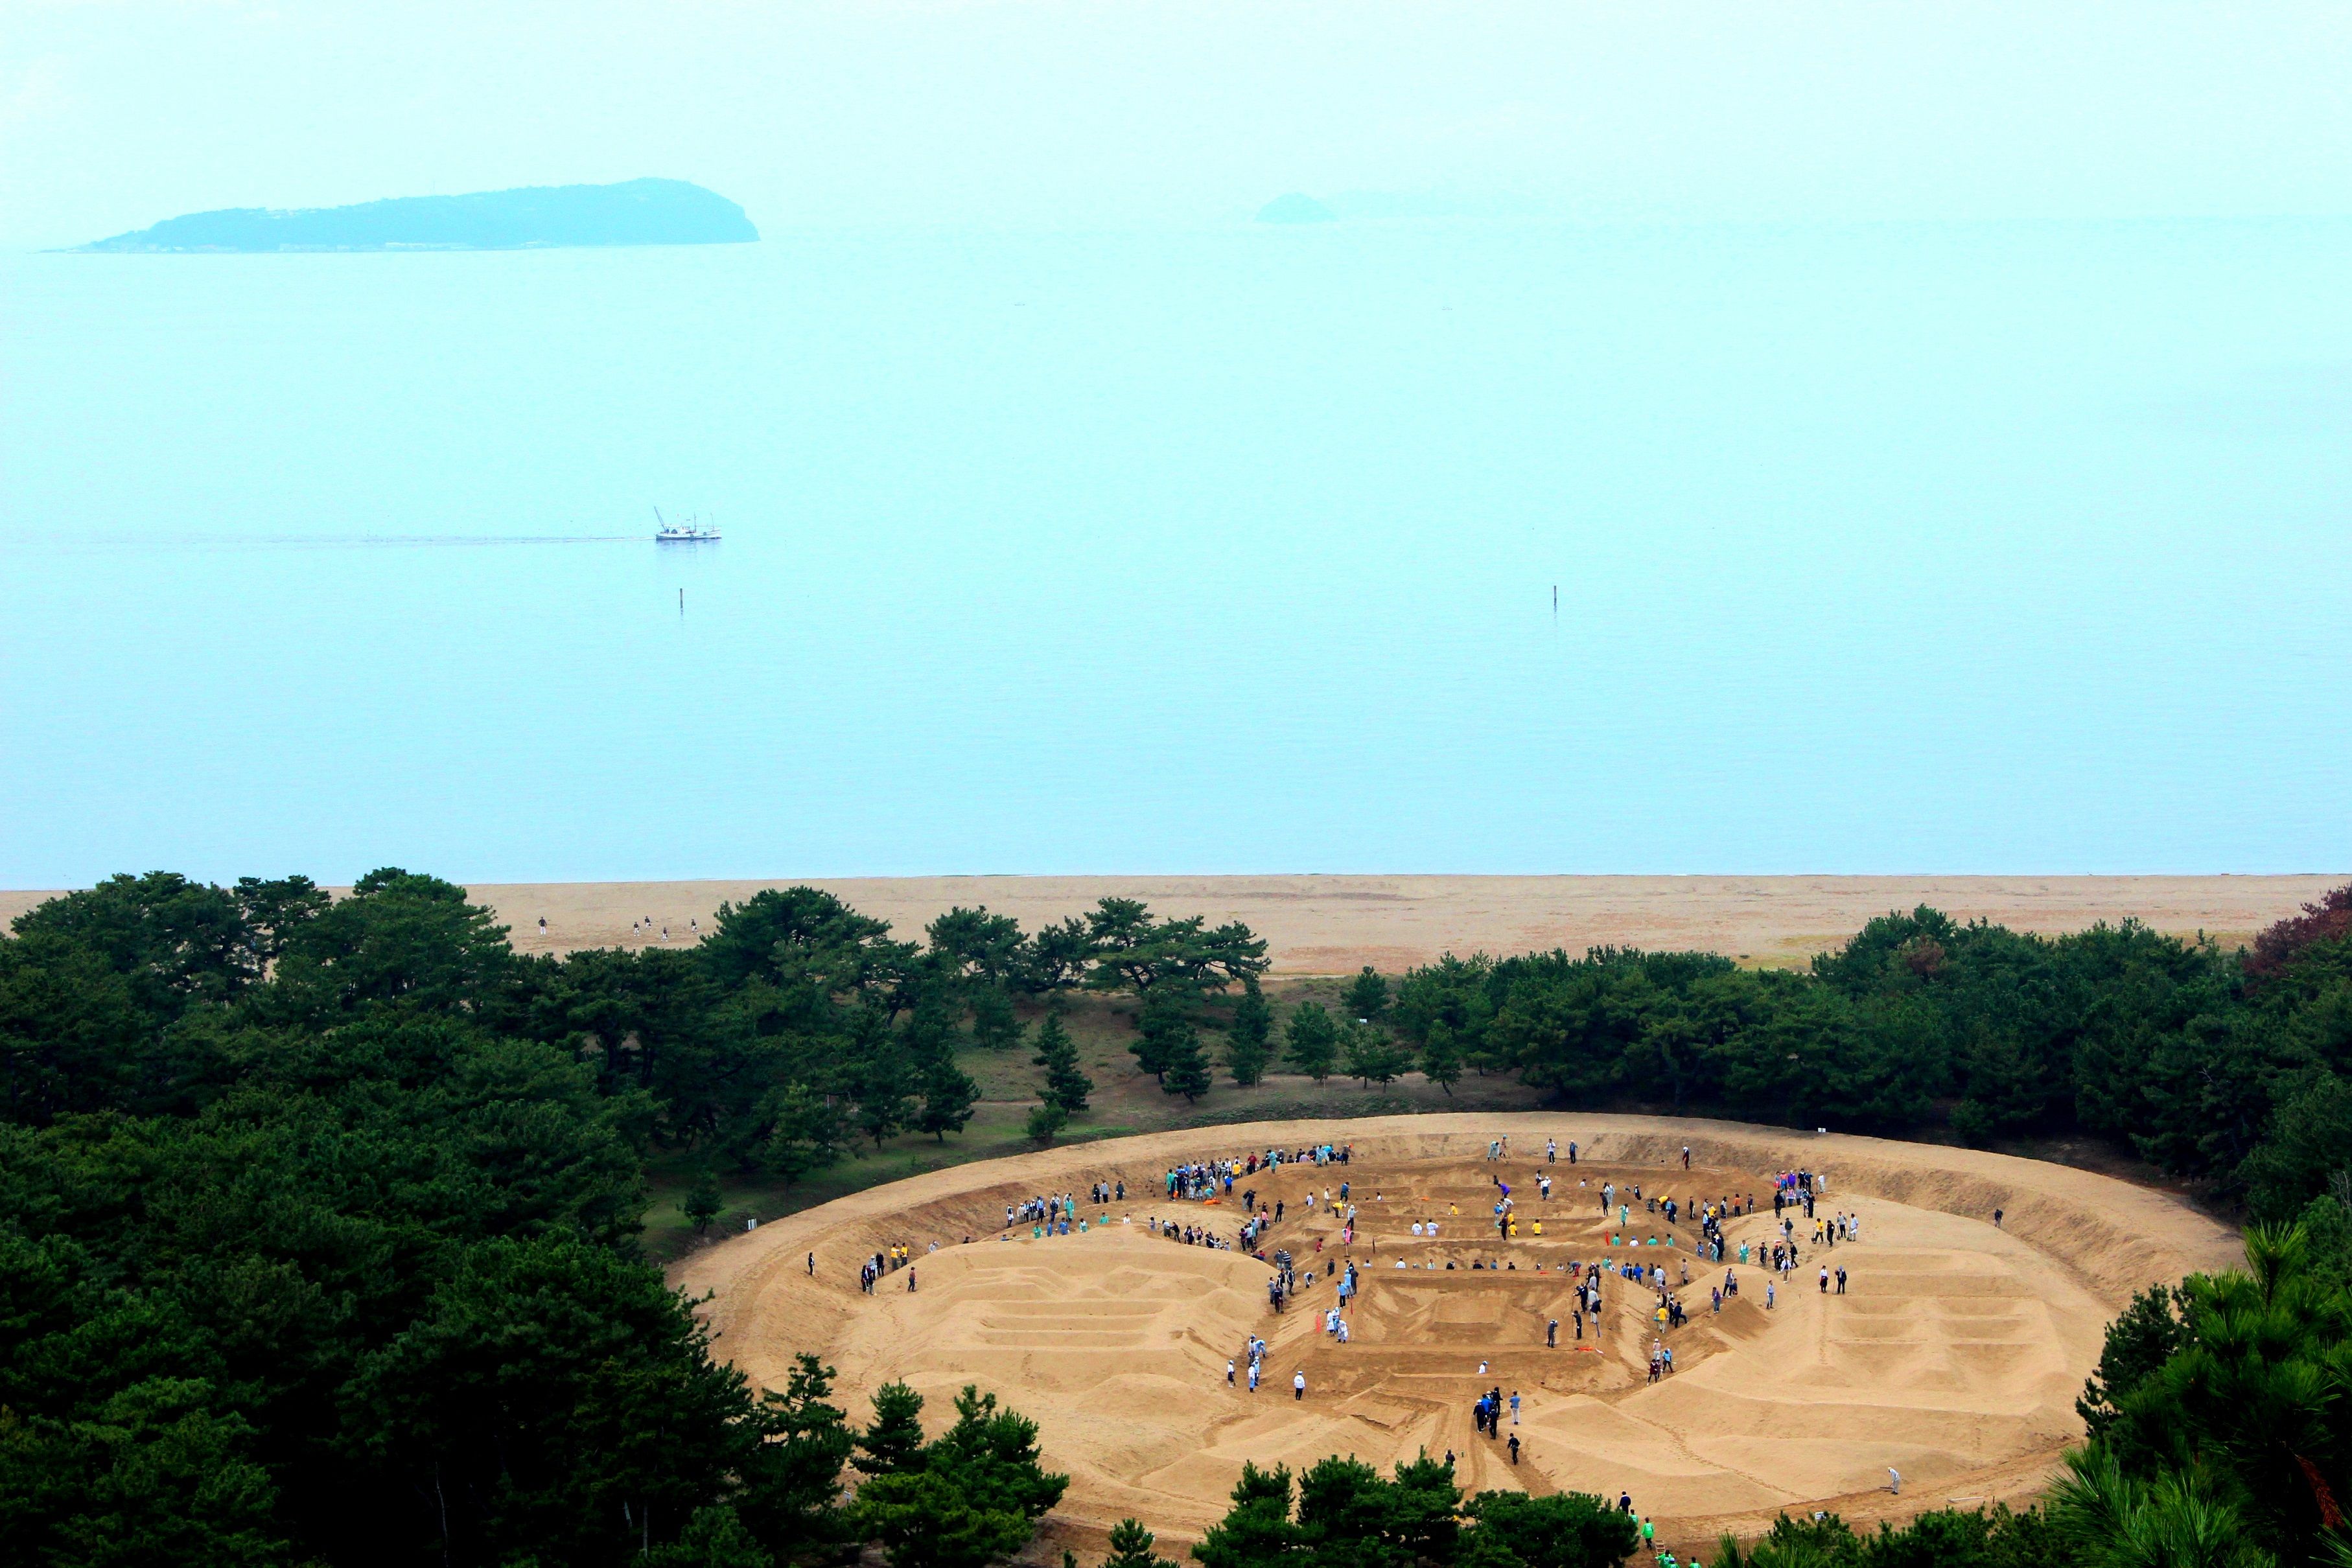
[1334, 924]
[1956, 1354]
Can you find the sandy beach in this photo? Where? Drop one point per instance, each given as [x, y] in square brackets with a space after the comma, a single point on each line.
[1335, 925]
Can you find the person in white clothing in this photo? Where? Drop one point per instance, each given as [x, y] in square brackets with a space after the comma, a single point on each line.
[1298, 1385]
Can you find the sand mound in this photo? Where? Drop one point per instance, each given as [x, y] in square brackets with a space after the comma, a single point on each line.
[1955, 1354]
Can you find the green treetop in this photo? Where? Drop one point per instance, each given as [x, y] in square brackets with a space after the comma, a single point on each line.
[1065, 1085]
[1311, 1040]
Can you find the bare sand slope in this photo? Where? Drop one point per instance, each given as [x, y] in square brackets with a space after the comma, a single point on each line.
[1334, 924]
[1956, 1354]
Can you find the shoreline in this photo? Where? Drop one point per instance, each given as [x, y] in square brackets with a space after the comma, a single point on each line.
[1317, 925]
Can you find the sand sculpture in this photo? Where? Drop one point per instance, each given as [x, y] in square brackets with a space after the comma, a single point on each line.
[1955, 1354]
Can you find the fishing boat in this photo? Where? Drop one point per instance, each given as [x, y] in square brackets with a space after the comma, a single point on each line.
[690, 532]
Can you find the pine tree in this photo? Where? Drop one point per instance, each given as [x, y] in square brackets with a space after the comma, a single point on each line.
[1130, 1547]
[1166, 1013]
[702, 1199]
[1372, 1056]
[994, 1026]
[1065, 1086]
[1246, 1049]
[894, 1443]
[805, 1131]
[1368, 996]
[1046, 1120]
[1311, 1040]
[1441, 1058]
[878, 1079]
[949, 1094]
[1188, 1068]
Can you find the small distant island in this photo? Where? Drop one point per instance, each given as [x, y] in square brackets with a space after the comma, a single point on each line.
[635, 211]
[1296, 208]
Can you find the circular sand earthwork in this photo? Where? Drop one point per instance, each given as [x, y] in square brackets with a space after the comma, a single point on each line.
[1955, 1355]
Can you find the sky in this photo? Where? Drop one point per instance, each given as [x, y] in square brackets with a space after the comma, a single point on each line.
[826, 113]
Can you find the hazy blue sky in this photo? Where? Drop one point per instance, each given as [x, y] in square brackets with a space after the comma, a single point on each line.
[115, 114]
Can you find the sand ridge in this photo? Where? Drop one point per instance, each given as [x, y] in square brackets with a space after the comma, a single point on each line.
[1956, 1355]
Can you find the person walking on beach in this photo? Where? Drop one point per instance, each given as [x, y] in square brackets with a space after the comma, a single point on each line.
[1895, 1480]
[1515, 1407]
[1230, 1370]
[1514, 1447]
[1825, 1280]
[812, 1260]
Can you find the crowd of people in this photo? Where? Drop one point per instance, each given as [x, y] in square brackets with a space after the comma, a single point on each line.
[1686, 1227]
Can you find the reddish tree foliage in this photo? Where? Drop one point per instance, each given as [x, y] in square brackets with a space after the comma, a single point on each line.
[2276, 947]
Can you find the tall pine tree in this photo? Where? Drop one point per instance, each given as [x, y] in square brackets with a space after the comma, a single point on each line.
[1248, 1049]
[1311, 1040]
[1065, 1085]
[1186, 1065]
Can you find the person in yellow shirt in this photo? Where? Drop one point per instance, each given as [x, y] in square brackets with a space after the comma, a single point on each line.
[1539, 1228]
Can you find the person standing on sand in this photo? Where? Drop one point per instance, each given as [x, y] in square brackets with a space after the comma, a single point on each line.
[1825, 1280]
[1230, 1370]
[1515, 1407]
[1895, 1480]
[910, 1278]
[1515, 1446]
[1551, 1335]
[1298, 1385]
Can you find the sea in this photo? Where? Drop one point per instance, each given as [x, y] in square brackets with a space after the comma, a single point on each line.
[1415, 545]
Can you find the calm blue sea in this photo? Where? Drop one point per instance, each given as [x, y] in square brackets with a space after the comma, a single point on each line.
[1876, 550]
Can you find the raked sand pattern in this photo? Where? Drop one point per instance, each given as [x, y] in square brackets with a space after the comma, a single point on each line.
[1955, 1355]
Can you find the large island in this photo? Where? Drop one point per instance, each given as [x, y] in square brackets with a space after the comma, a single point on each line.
[635, 211]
